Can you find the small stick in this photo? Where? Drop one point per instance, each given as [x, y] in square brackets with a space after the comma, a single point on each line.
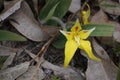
[43, 50]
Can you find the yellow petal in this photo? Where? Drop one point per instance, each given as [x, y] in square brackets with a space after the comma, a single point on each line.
[86, 46]
[85, 33]
[76, 27]
[70, 48]
[85, 15]
[68, 35]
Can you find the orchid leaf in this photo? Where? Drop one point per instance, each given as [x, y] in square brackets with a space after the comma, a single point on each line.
[47, 8]
[50, 14]
[62, 8]
[59, 11]
[7, 35]
[100, 29]
[118, 74]
[59, 43]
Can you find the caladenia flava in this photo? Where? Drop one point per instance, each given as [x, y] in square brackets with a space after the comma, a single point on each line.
[76, 38]
[85, 15]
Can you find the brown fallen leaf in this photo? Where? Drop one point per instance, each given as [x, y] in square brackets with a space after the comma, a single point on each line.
[29, 27]
[8, 61]
[116, 33]
[67, 73]
[51, 30]
[99, 17]
[110, 7]
[32, 74]
[26, 9]
[13, 72]
[10, 9]
[104, 70]
[6, 56]
[35, 2]
[5, 51]
[75, 6]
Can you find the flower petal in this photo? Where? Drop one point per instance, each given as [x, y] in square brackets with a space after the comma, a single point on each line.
[76, 27]
[85, 33]
[70, 48]
[86, 46]
[68, 35]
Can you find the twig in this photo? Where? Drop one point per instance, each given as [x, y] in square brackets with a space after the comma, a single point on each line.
[43, 50]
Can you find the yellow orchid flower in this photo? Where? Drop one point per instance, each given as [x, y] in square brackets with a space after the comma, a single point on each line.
[85, 15]
[76, 39]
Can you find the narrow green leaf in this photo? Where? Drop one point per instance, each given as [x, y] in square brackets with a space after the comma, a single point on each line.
[46, 9]
[109, 5]
[118, 74]
[50, 14]
[101, 29]
[62, 8]
[59, 12]
[59, 43]
[47, 1]
[7, 35]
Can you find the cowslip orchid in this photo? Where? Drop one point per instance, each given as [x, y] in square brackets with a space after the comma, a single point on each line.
[76, 38]
[85, 15]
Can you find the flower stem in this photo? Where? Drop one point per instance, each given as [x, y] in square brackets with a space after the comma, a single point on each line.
[60, 22]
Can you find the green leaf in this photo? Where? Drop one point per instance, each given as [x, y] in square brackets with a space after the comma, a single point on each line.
[109, 5]
[7, 35]
[62, 8]
[118, 74]
[101, 29]
[59, 12]
[50, 14]
[59, 43]
[46, 9]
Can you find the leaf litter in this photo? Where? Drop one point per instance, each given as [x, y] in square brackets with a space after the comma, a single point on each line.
[34, 68]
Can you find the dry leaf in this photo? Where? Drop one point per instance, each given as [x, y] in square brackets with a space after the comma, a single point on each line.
[10, 9]
[75, 6]
[36, 5]
[95, 71]
[13, 72]
[99, 17]
[33, 56]
[116, 33]
[67, 73]
[32, 74]
[104, 70]
[28, 26]
[5, 51]
[8, 61]
[113, 9]
[26, 9]
[51, 30]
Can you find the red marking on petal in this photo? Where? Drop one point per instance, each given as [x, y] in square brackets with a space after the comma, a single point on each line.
[76, 28]
[68, 33]
[85, 31]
